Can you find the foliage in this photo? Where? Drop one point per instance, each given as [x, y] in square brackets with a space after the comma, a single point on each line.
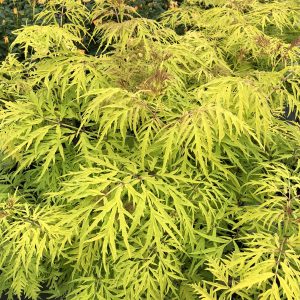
[13, 15]
[159, 168]
[17, 13]
[150, 8]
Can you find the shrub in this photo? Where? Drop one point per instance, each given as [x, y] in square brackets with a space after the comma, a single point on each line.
[17, 13]
[159, 168]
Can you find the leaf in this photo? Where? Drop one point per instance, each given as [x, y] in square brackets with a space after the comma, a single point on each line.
[249, 281]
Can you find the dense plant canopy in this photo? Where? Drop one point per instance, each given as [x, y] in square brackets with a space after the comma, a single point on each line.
[161, 167]
[17, 13]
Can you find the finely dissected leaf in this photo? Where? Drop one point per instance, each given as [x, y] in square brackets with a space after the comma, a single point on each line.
[150, 159]
[248, 282]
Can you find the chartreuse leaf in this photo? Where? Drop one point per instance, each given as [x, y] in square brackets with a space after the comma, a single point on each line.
[249, 281]
[151, 159]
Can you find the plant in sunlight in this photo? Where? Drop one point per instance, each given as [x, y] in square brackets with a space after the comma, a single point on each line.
[163, 166]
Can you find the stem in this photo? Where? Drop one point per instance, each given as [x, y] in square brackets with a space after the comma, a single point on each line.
[61, 16]
[287, 213]
[68, 126]
[33, 9]
[117, 15]
[281, 251]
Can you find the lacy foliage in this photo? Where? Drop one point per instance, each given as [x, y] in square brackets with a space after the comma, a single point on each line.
[162, 166]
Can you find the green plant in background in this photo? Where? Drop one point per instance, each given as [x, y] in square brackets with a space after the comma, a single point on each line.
[150, 8]
[17, 13]
[159, 168]
[13, 15]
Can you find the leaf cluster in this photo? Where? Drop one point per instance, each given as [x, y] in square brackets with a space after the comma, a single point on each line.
[162, 166]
